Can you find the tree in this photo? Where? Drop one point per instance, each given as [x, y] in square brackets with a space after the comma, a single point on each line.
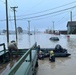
[19, 30]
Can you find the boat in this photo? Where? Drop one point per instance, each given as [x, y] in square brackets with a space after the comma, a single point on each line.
[54, 38]
[57, 54]
[61, 52]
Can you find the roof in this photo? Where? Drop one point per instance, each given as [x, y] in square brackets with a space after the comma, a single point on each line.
[71, 23]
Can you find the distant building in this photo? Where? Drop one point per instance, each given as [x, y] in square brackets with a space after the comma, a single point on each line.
[63, 31]
[71, 27]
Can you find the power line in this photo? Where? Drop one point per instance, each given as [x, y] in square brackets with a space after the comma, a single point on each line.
[62, 18]
[49, 16]
[48, 9]
[45, 14]
[48, 13]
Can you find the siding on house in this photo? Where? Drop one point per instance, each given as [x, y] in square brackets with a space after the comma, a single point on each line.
[71, 26]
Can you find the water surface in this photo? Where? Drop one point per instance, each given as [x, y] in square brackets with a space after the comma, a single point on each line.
[62, 66]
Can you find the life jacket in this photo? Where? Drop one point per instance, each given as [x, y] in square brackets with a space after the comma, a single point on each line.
[51, 53]
[40, 52]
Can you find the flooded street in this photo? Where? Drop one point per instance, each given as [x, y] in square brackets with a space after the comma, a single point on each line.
[62, 66]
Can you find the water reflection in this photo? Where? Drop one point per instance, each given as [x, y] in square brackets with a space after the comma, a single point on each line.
[29, 40]
[53, 65]
[5, 67]
[20, 37]
[59, 61]
[68, 39]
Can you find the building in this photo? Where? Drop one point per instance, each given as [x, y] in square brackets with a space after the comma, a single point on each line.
[71, 27]
[63, 31]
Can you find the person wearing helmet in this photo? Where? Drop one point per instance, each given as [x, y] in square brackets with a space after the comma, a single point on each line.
[41, 55]
[52, 57]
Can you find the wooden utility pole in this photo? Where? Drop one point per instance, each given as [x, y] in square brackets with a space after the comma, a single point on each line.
[7, 27]
[15, 22]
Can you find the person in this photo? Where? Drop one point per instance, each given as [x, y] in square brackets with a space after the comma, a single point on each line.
[58, 48]
[38, 48]
[41, 55]
[12, 46]
[52, 56]
[40, 52]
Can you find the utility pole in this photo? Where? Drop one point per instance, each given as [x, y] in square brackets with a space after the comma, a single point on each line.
[71, 16]
[53, 27]
[7, 28]
[71, 19]
[29, 27]
[15, 22]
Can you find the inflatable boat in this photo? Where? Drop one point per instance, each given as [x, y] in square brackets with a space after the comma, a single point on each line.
[58, 52]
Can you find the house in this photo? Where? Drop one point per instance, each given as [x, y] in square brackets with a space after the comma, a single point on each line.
[71, 27]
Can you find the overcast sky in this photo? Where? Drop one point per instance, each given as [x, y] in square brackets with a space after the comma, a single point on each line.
[42, 14]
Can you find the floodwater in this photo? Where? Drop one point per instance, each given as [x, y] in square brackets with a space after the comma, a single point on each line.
[62, 66]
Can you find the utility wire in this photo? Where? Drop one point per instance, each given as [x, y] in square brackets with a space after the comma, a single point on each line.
[45, 14]
[48, 9]
[64, 16]
[48, 16]
[48, 13]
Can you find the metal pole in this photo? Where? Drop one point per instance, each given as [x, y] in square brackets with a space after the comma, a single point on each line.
[7, 28]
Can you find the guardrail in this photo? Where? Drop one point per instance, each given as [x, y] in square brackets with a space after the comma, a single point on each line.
[4, 49]
[22, 59]
[3, 54]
